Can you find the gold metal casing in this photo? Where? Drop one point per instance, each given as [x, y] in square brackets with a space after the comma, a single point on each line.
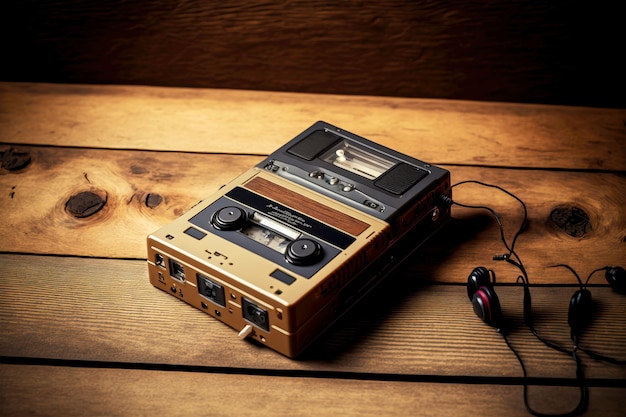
[297, 312]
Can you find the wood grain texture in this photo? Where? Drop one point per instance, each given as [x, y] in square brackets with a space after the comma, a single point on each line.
[500, 50]
[116, 392]
[107, 311]
[124, 179]
[243, 122]
[36, 219]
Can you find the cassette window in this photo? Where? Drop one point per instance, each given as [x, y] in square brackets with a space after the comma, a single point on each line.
[270, 233]
[362, 161]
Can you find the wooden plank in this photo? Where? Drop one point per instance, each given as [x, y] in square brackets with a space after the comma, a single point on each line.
[35, 201]
[106, 311]
[230, 121]
[505, 51]
[36, 218]
[60, 391]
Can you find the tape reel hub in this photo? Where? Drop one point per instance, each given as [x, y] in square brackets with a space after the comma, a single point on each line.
[229, 218]
[303, 252]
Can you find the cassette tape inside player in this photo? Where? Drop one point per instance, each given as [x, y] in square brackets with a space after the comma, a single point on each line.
[283, 250]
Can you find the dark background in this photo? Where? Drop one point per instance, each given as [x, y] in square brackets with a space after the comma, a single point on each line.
[555, 52]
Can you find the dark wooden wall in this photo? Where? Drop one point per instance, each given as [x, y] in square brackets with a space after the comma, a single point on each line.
[561, 52]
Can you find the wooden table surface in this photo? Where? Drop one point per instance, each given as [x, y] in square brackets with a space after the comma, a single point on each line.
[84, 332]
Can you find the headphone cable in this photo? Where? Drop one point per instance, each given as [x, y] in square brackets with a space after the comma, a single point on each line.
[517, 262]
[514, 259]
[583, 401]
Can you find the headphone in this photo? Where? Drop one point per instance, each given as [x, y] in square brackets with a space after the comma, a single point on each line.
[481, 292]
[486, 304]
[581, 306]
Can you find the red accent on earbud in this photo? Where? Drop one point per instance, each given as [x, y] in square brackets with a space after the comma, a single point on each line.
[486, 305]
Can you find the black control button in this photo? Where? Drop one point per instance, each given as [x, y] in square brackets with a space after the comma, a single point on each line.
[371, 204]
[283, 277]
[193, 232]
[229, 218]
[303, 252]
[271, 167]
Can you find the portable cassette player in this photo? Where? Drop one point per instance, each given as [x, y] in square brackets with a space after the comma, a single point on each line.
[287, 247]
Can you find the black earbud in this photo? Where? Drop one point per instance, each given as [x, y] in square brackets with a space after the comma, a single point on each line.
[580, 309]
[581, 304]
[487, 306]
[484, 298]
[616, 277]
[479, 277]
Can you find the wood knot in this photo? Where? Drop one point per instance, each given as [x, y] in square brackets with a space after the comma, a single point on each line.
[85, 204]
[138, 170]
[153, 200]
[572, 220]
[12, 160]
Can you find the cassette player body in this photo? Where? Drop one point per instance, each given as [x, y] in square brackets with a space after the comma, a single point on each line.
[287, 247]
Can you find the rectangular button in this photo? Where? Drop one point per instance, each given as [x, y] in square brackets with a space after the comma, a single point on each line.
[195, 233]
[283, 277]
